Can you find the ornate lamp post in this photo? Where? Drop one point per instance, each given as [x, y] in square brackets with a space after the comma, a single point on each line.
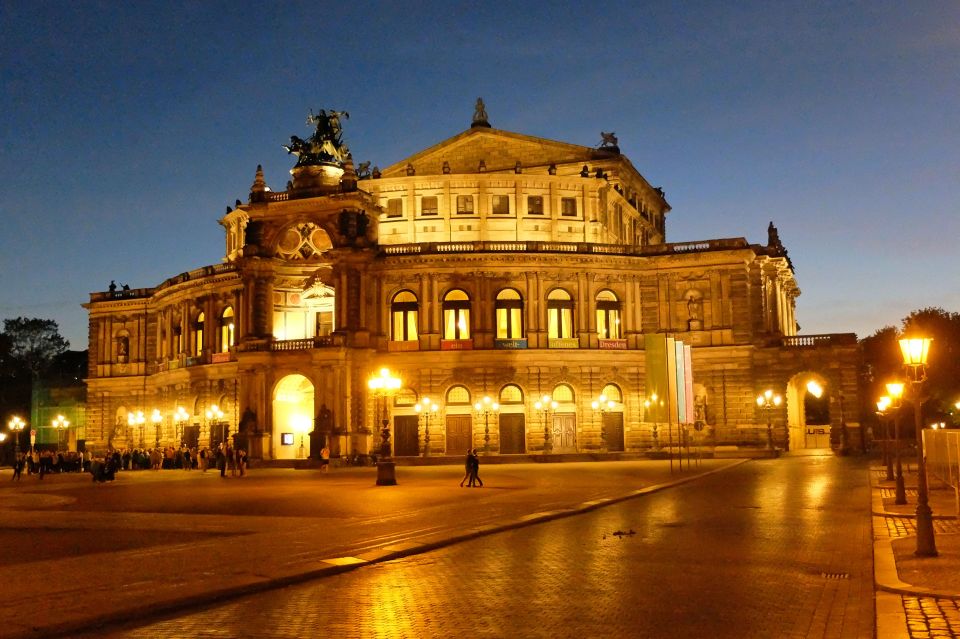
[383, 385]
[157, 418]
[485, 408]
[602, 405]
[882, 405]
[137, 419]
[895, 389]
[215, 418]
[60, 424]
[16, 426]
[656, 402]
[768, 400]
[179, 417]
[915, 351]
[427, 409]
[546, 407]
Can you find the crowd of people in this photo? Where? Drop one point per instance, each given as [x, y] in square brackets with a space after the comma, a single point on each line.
[104, 467]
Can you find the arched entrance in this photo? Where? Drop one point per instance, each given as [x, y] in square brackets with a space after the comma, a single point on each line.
[292, 418]
[808, 411]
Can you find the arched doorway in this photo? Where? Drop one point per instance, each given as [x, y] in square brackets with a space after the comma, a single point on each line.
[292, 418]
[808, 411]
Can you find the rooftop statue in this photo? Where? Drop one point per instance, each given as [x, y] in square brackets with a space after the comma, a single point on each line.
[608, 140]
[325, 145]
[480, 115]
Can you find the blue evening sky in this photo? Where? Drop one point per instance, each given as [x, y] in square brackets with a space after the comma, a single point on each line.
[127, 128]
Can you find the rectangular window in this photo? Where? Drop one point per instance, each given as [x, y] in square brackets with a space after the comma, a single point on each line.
[464, 205]
[286, 439]
[508, 323]
[501, 205]
[559, 323]
[405, 325]
[395, 207]
[608, 323]
[535, 205]
[324, 323]
[568, 206]
[428, 205]
[456, 323]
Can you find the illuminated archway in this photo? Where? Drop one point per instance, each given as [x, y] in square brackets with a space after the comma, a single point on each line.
[808, 410]
[293, 413]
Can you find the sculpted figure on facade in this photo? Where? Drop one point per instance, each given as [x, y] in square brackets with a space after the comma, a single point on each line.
[325, 145]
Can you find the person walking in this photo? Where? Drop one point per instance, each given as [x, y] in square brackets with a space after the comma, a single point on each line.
[324, 459]
[467, 467]
[17, 467]
[475, 471]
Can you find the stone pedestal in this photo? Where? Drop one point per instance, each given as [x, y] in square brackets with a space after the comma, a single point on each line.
[386, 473]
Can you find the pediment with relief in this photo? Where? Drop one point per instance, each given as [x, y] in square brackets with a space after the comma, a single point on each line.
[499, 150]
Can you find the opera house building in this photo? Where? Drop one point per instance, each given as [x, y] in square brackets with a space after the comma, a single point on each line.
[495, 291]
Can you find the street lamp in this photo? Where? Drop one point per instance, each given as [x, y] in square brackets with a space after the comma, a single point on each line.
[179, 417]
[768, 400]
[137, 419]
[16, 426]
[427, 408]
[915, 351]
[215, 415]
[60, 424]
[157, 418]
[895, 389]
[654, 401]
[882, 405]
[382, 385]
[546, 406]
[602, 405]
[485, 408]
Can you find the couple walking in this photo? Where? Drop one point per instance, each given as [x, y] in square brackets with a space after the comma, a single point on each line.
[472, 467]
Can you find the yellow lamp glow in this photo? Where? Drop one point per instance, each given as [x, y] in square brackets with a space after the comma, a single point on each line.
[896, 390]
[915, 350]
[814, 388]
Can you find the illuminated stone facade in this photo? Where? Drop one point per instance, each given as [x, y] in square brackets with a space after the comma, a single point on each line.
[492, 264]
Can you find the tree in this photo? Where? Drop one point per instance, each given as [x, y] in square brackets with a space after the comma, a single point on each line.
[883, 363]
[943, 369]
[32, 344]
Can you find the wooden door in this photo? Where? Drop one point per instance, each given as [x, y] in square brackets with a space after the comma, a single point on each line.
[406, 442]
[459, 434]
[512, 438]
[565, 433]
[613, 431]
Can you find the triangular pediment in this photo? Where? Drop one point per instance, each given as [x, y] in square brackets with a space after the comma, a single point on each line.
[499, 151]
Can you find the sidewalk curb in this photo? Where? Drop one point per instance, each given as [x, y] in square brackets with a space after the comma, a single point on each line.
[885, 575]
[338, 565]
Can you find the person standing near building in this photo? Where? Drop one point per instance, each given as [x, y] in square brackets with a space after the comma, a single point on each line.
[17, 467]
[324, 459]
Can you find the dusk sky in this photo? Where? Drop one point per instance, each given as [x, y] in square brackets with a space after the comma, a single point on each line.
[127, 128]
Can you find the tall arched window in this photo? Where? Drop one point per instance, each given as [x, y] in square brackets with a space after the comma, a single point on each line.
[198, 336]
[226, 329]
[403, 317]
[509, 307]
[608, 316]
[456, 315]
[559, 314]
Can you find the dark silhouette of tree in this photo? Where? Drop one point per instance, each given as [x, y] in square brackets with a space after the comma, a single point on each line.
[33, 344]
[883, 362]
